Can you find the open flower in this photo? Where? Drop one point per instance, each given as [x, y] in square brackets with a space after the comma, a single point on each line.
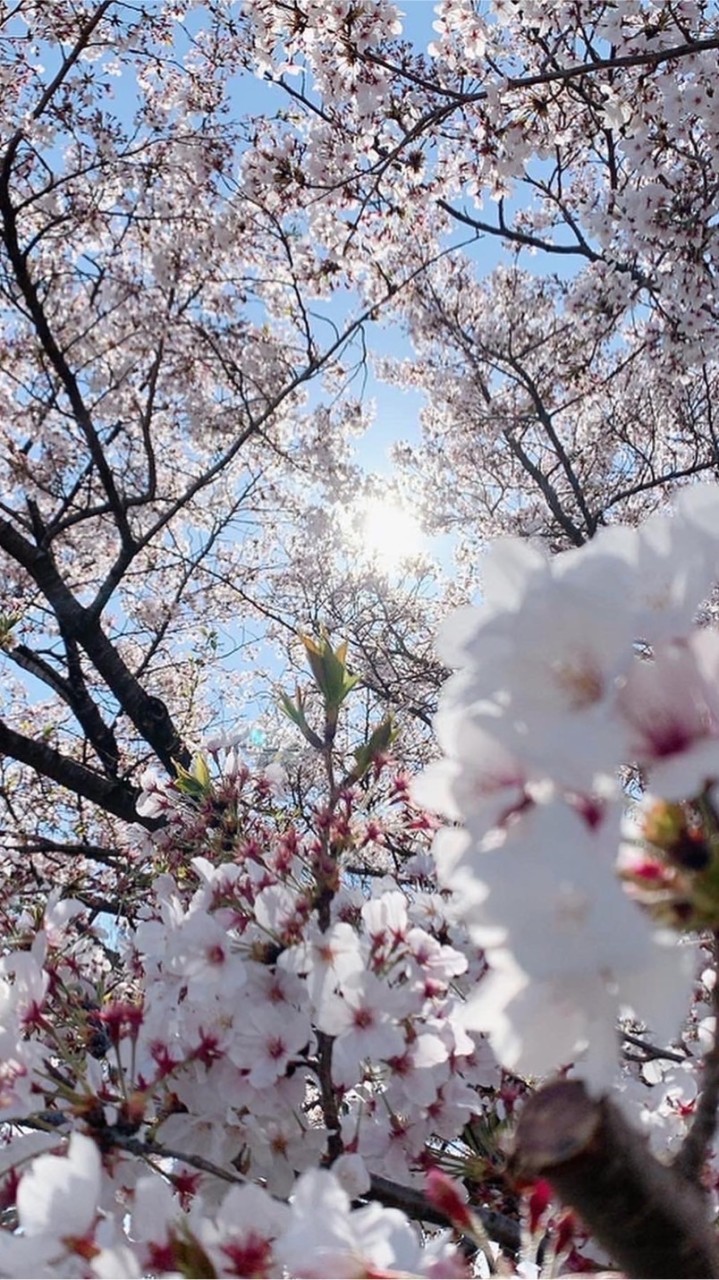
[363, 1015]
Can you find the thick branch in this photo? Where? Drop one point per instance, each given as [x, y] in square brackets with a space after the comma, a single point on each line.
[73, 691]
[545, 418]
[510, 234]
[19, 262]
[650, 1219]
[112, 795]
[80, 45]
[501, 1230]
[546, 488]
[70, 849]
[148, 714]
[648, 57]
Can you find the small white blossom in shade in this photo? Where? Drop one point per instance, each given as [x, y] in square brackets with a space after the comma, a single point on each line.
[280, 1147]
[153, 800]
[423, 1067]
[57, 915]
[275, 907]
[199, 951]
[214, 879]
[437, 963]
[200, 1135]
[268, 1037]
[616, 114]
[58, 1195]
[325, 958]
[241, 1237]
[326, 1238]
[667, 1108]
[385, 918]
[363, 1018]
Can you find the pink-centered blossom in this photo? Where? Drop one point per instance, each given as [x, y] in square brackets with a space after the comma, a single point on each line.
[325, 959]
[326, 1238]
[669, 706]
[364, 1017]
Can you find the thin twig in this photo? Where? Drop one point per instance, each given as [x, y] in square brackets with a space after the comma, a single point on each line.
[650, 1052]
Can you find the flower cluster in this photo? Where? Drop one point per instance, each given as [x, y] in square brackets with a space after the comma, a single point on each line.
[573, 670]
[64, 1209]
[265, 1015]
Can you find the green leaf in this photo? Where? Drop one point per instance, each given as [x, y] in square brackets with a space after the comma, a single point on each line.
[329, 669]
[295, 712]
[196, 781]
[7, 622]
[379, 740]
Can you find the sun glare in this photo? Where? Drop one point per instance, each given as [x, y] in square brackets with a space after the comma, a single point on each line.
[386, 533]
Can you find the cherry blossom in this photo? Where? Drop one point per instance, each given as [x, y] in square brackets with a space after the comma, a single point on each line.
[256, 1004]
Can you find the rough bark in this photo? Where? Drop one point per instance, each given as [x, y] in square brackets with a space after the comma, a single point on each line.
[651, 1219]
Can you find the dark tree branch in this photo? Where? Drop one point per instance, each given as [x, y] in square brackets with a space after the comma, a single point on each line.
[110, 794]
[693, 1151]
[74, 693]
[78, 48]
[545, 418]
[69, 849]
[55, 355]
[513, 236]
[546, 489]
[100, 735]
[501, 1230]
[649, 1218]
[650, 57]
[148, 714]
[649, 1052]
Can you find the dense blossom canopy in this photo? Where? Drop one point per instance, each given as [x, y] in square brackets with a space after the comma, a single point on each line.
[281, 991]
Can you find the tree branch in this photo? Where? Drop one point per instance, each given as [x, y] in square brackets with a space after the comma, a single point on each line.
[56, 357]
[501, 1230]
[112, 795]
[148, 714]
[73, 691]
[693, 1151]
[649, 1218]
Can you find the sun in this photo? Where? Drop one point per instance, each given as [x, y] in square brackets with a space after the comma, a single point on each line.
[386, 533]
